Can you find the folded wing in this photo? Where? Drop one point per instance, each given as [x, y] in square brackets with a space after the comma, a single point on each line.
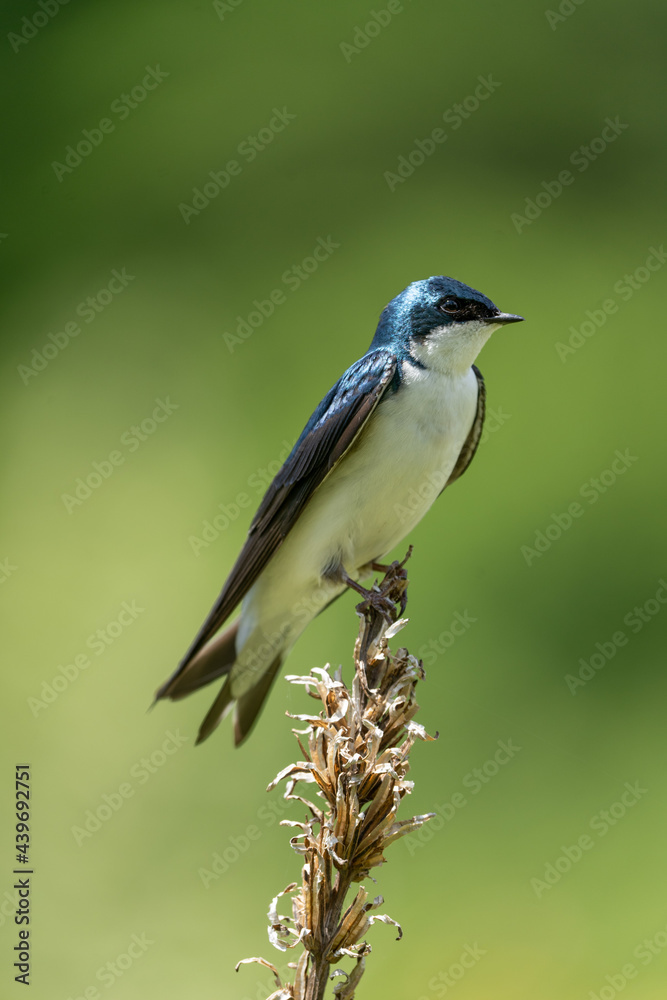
[329, 433]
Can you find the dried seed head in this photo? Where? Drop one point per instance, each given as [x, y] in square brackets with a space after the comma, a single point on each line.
[356, 759]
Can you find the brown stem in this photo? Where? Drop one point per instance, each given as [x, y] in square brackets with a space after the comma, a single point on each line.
[330, 921]
[345, 755]
[377, 609]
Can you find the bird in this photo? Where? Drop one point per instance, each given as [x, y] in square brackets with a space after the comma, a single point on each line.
[399, 426]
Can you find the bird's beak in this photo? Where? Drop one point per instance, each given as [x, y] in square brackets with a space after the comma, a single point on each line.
[502, 318]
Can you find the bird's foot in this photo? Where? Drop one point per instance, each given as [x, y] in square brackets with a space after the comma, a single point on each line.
[373, 599]
[384, 597]
[381, 607]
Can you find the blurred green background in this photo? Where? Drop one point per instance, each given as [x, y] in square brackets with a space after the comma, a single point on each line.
[360, 100]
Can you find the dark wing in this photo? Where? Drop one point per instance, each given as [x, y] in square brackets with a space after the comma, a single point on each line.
[470, 445]
[326, 437]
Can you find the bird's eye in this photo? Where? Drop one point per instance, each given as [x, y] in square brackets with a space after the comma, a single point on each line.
[449, 305]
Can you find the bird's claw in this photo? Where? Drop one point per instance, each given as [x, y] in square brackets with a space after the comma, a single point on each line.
[391, 591]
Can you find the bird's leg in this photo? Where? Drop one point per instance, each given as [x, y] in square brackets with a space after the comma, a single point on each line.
[374, 607]
[381, 607]
[401, 576]
[382, 598]
[353, 585]
[375, 598]
[385, 567]
[380, 567]
[397, 569]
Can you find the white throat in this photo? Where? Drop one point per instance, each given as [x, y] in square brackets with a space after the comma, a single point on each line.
[451, 350]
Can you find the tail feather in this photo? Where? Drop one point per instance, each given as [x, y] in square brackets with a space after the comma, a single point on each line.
[250, 704]
[213, 661]
[247, 707]
[216, 712]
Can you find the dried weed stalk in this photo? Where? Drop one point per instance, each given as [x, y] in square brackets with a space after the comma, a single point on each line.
[356, 755]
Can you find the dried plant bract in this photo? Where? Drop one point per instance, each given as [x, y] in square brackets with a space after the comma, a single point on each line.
[356, 758]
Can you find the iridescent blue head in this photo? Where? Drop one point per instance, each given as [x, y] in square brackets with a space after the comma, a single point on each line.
[439, 322]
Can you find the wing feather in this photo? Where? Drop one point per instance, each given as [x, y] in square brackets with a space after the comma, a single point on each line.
[329, 433]
[472, 441]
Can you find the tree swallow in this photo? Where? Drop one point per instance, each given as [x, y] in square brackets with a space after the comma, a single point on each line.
[399, 426]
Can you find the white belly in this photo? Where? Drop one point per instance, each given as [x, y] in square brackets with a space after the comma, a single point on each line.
[394, 472]
[381, 488]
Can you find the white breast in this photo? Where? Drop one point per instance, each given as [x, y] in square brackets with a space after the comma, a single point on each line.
[388, 480]
[376, 494]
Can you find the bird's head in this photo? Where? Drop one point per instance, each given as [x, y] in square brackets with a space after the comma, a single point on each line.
[439, 322]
